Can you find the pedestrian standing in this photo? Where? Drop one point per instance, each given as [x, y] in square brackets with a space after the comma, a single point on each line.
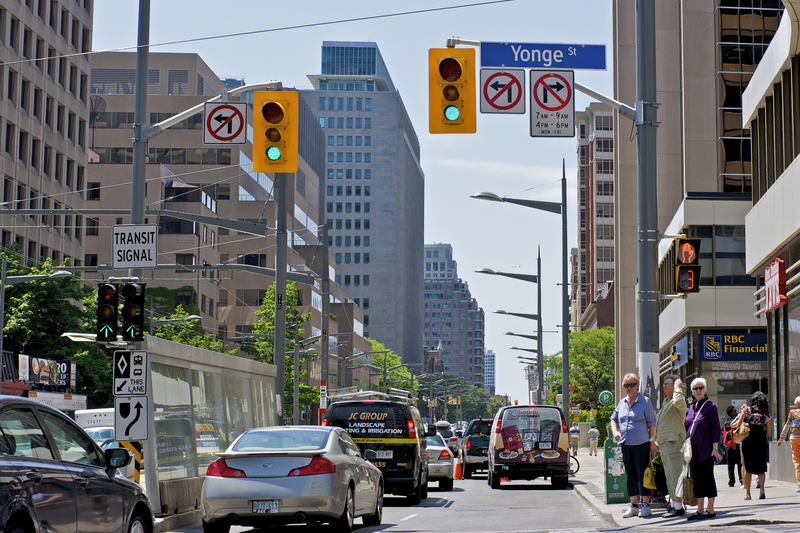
[734, 452]
[633, 425]
[670, 435]
[791, 432]
[574, 437]
[702, 428]
[755, 446]
[594, 436]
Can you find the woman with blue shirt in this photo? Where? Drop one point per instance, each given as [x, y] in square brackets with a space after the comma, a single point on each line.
[633, 425]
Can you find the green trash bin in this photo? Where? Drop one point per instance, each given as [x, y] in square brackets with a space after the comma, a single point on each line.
[616, 480]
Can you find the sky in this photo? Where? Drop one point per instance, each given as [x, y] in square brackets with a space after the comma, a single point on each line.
[501, 157]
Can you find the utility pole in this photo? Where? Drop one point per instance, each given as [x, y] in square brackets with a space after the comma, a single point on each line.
[539, 349]
[326, 311]
[280, 294]
[564, 294]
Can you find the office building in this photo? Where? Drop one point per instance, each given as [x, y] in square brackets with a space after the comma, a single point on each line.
[704, 191]
[44, 116]
[453, 319]
[373, 192]
[488, 372]
[771, 110]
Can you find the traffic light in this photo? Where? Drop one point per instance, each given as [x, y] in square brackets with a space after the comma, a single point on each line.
[516, 402]
[687, 265]
[107, 303]
[451, 90]
[275, 127]
[494, 401]
[133, 312]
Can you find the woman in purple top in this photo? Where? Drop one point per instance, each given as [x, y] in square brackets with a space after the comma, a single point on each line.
[702, 428]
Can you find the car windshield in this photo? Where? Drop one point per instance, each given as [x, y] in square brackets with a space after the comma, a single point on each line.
[446, 433]
[435, 440]
[281, 440]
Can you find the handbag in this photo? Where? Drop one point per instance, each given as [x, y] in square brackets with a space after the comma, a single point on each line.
[688, 490]
[686, 449]
[740, 427]
[649, 476]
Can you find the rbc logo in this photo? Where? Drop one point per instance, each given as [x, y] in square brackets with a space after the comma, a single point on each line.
[712, 344]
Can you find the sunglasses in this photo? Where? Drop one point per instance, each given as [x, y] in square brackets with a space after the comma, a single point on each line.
[698, 388]
[629, 385]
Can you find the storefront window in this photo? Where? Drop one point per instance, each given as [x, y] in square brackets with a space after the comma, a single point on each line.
[238, 405]
[173, 420]
[209, 416]
[793, 359]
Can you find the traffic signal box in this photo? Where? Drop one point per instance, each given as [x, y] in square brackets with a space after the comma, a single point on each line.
[687, 265]
[451, 90]
[133, 312]
[107, 307]
[275, 130]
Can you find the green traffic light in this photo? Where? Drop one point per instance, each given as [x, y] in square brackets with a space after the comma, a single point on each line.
[451, 112]
[273, 153]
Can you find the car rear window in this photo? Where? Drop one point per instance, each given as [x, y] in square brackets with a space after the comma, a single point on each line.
[446, 433]
[275, 441]
[370, 420]
[436, 440]
[530, 425]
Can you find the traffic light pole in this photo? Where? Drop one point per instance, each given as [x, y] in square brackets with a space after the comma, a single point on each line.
[280, 294]
[326, 311]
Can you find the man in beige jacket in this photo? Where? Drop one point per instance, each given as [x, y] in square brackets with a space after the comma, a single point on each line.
[670, 434]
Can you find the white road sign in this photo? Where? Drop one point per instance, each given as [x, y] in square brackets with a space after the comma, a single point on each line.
[135, 246]
[552, 103]
[225, 123]
[502, 91]
[130, 418]
[130, 373]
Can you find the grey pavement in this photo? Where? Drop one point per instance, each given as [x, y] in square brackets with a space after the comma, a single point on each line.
[781, 506]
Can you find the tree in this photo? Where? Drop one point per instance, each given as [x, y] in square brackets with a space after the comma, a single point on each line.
[190, 333]
[383, 358]
[474, 402]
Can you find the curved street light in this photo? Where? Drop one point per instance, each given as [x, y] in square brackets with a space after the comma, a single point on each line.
[531, 337]
[521, 315]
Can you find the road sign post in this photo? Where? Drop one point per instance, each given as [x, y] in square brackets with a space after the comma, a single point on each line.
[552, 103]
[502, 91]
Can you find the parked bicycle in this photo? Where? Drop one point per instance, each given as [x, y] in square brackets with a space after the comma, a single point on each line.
[574, 465]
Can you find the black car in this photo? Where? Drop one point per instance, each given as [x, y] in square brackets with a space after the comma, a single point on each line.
[395, 432]
[56, 478]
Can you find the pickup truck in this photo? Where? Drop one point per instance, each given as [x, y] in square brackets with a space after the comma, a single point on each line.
[474, 447]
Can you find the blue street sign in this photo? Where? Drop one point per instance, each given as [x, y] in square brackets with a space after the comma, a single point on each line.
[538, 55]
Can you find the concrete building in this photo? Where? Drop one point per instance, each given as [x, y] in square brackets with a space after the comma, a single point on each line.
[594, 259]
[488, 372]
[373, 192]
[704, 189]
[453, 319]
[44, 116]
[771, 110]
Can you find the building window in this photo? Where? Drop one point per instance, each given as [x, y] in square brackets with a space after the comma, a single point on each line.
[366, 260]
[338, 259]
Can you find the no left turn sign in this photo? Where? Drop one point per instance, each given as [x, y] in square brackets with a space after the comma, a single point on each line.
[225, 123]
[502, 91]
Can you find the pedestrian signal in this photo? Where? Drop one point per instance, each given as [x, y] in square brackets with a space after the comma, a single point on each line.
[275, 131]
[451, 90]
[687, 265]
[107, 309]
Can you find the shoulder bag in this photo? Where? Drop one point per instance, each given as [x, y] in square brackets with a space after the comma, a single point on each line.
[649, 478]
[688, 490]
[687, 444]
[740, 427]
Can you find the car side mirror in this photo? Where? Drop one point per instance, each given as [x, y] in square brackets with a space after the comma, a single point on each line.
[370, 455]
[431, 431]
[118, 457]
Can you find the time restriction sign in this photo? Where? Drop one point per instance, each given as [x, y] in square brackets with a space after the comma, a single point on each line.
[552, 104]
[502, 91]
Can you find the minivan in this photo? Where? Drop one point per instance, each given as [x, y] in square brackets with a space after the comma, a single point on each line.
[394, 430]
[528, 442]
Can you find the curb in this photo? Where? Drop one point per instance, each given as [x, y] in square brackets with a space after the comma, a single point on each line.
[604, 514]
[168, 523]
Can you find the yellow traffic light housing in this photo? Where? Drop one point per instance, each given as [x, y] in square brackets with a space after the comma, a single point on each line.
[687, 265]
[275, 131]
[451, 90]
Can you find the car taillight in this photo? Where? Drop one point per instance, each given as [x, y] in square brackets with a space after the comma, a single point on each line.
[445, 455]
[497, 427]
[469, 445]
[220, 468]
[564, 426]
[324, 423]
[412, 432]
[318, 465]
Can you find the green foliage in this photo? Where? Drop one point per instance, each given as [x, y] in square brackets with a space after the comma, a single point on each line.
[164, 301]
[474, 402]
[190, 332]
[591, 367]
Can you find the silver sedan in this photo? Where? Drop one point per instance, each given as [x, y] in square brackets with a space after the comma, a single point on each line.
[441, 465]
[288, 475]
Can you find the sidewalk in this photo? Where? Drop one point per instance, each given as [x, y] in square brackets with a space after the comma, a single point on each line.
[781, 505]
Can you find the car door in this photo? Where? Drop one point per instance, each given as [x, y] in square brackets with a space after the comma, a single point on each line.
[360, 474]
[47, 485]
[98, 495]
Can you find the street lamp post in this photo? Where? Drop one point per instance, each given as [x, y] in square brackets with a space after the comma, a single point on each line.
[553, 207]
[157, 323]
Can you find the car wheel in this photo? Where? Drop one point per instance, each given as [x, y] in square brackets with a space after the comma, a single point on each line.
[345, 522]
[15, 528]
[559, 482]
[375, 518]
[219, 526]
[494, 480]
[139, 523]
[446, 484]
[414, 497]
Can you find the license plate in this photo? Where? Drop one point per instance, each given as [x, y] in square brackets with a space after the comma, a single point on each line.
[437, 470]
[266, 506]
[431, 458]
[545, 445]
[384, 454]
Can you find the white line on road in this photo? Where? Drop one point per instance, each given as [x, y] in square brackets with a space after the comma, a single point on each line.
[409, 517]
[441, 500]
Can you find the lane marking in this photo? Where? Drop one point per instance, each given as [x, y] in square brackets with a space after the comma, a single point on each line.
[409, 517]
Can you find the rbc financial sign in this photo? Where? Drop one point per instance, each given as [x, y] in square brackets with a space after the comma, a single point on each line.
[734, 347]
